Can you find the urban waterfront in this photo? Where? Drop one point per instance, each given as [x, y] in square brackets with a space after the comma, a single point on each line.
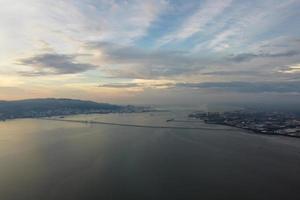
[272, 123]
[46, 159]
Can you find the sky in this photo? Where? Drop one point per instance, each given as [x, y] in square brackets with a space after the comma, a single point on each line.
[151, 51]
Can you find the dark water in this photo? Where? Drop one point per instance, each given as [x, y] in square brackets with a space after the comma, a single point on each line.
[42, 160]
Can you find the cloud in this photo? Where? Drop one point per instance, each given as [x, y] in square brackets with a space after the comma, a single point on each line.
[134, 62]
[141, 83]
[249, 56]
[129, 61]
[234, 73]
[233, 86]
[120, 85]
[217, 41]
[220, 43]
[293, 69]
[121, 21]
[247, 87]
[247, 23]
[51, 64]
[197, 21]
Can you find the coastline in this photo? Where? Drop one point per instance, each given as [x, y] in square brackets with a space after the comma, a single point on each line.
[251, 131]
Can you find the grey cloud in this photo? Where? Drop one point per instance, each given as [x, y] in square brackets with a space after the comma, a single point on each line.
[141, 63]
[133, 62]
[249, 56]
[247, 87]
[120, 85]
[234, 73]
[235, 86]
[52, 63]
[134, 85]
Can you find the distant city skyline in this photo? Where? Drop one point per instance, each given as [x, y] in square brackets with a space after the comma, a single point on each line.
[151, 51]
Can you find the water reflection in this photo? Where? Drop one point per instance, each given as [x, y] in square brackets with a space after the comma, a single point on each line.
[60, 160]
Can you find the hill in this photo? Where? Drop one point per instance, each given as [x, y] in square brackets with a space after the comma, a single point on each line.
[55, 107]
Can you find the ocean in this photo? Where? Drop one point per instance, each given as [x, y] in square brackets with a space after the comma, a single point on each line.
[47, 159]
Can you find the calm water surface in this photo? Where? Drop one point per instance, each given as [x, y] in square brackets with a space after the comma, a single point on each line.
[42, 159]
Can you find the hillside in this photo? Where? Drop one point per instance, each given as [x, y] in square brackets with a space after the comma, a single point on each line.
[54, 107]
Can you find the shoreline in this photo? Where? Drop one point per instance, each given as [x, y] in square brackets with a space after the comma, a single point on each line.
[67, 115]
[251, 131]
